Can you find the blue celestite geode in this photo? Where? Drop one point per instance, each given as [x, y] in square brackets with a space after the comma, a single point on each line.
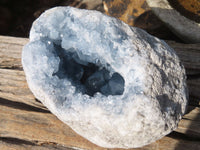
[113, 84]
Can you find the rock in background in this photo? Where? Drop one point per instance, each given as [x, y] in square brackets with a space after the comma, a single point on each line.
[137, 13]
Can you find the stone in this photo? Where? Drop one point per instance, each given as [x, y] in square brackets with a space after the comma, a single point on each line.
[113, 84]
[181, 16]
[127, 11]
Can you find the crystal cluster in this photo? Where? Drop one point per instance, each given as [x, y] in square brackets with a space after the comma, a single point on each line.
[90, 77]
[115, 85]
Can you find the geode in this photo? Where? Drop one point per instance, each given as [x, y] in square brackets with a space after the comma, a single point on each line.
[113, 84]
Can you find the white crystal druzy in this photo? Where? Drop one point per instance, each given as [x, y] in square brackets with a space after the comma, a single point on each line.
[143, 103]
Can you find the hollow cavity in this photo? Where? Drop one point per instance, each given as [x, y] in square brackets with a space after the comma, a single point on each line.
[88, 78]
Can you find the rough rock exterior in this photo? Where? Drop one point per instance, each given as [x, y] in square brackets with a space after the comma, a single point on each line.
[113, 84]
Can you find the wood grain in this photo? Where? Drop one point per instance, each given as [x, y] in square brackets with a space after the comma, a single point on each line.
[26, 124]
[189, 55]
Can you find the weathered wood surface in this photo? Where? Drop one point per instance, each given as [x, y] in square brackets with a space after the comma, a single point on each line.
[26, 124]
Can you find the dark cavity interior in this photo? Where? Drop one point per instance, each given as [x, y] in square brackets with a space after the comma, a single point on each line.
[88, 78]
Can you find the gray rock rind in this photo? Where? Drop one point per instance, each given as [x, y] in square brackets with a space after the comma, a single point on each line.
[154, 95]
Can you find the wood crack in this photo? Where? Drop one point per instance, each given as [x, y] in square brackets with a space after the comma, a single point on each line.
[16, 141]
[21, 106]
[194, 76]
[36, 144]
[181, 136]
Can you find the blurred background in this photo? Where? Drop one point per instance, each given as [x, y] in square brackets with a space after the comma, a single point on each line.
[16, 17]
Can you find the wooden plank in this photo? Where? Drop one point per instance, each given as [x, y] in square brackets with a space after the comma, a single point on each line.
[11, 48]
[13, 87]
[189, 55]
[16, 91]
[190, 123]
[10, 52]
[32, 125]
[18, 144]
[26, 124]
[41, 128]
[194, 89]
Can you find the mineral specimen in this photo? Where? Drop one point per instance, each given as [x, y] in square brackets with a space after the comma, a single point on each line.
[115, 85]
